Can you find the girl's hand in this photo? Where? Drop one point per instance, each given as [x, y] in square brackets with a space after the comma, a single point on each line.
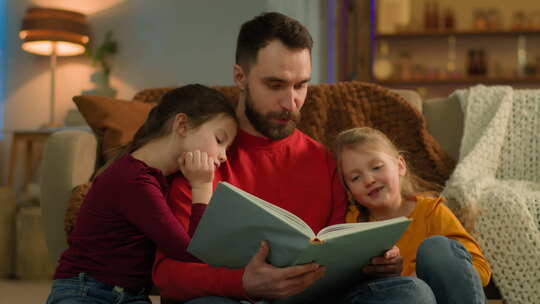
[198, 169]
[388, 265]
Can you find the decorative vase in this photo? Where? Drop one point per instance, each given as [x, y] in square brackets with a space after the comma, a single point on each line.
[102, 87]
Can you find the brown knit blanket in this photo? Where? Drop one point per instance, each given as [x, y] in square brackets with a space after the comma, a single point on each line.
[332, 108]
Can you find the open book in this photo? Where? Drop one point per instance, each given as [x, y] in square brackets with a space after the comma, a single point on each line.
[235, 222]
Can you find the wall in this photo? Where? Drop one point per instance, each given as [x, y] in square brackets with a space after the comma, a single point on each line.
[161, 43]
[2, 63]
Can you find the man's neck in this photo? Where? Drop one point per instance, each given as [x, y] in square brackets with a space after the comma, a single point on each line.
[243, 122]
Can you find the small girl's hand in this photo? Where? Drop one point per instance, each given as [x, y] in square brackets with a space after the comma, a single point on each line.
[198, 169]
[388, 265]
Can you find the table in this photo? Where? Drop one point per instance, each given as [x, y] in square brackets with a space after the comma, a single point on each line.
[30, 156]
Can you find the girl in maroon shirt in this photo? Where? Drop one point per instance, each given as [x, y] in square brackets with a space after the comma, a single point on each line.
[125, 213]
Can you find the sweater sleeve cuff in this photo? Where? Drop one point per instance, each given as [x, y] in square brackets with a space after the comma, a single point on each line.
[232, 284]
[244, 295]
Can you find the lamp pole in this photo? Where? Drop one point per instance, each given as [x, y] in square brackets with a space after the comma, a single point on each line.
[53, 84]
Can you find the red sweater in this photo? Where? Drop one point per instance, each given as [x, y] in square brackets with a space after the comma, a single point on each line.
[123, 217]
[296, 173]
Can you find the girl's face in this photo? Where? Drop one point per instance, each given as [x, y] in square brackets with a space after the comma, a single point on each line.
[212, 137]
[373, 177]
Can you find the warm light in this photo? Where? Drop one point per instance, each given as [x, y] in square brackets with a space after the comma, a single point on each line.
[44, 28]
[46, 47]
[88, 7]
[53, 32]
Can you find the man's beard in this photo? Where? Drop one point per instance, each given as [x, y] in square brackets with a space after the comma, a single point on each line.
[264, 123]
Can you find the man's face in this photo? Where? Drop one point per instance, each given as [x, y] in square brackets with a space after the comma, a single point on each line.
[275, 90]
[273, 124]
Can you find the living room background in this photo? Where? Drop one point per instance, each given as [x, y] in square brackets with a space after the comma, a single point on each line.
[161, 43]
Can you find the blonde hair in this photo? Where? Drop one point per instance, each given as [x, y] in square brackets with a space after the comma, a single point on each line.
[410, 185]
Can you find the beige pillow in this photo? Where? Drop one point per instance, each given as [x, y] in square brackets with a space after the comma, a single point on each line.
[114, 121]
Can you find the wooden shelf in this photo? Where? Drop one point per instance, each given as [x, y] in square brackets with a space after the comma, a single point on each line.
[461, 33]
[464, 80]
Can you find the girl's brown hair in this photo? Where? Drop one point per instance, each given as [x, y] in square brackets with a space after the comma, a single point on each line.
[198, 102]
[411, 184]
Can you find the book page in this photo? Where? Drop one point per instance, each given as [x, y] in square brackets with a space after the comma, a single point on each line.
[343, 229]
[234, 224]
[281, 213]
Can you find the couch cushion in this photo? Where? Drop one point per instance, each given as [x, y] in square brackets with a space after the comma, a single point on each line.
[114, 121]
[445, 122]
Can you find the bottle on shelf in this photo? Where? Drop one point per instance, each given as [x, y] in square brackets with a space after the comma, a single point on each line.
[431, 15]
[476, 64]
[472, 63]
[449, 19]
[382, 66]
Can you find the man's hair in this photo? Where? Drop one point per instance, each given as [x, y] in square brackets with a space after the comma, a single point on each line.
[258, 32]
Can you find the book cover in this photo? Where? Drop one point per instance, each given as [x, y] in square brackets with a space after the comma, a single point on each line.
[235, 222]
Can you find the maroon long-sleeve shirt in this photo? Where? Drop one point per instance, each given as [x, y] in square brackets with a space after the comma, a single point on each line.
[123, 218]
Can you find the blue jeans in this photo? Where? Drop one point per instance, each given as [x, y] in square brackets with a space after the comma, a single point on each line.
[394, 290]
[445, 265]
[84, 289]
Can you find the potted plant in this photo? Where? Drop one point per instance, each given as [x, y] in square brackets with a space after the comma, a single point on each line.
[101, 60]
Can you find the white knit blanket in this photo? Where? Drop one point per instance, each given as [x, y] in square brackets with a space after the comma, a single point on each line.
[498, 174]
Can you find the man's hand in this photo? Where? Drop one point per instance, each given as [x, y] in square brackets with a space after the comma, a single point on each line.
[388, 265]
[198, 168]
[264, 281]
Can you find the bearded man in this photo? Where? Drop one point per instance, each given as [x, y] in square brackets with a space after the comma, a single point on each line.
[273, 160]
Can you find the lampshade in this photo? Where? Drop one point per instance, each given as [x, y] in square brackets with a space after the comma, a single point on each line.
[48, 30]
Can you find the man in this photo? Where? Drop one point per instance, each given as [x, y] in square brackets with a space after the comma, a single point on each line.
[273, 160]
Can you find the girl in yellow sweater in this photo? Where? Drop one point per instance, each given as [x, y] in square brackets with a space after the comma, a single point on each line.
[435, 247]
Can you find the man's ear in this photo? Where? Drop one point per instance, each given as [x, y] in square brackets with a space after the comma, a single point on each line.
[180, 125]
[239, 76]
[402, 166]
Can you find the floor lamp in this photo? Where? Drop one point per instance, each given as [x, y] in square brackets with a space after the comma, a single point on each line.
[54, 32]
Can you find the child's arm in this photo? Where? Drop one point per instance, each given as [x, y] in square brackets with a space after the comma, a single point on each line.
[183, 280]
[143, 204]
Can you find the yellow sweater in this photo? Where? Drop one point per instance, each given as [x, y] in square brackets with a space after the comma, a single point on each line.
[431, 217]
